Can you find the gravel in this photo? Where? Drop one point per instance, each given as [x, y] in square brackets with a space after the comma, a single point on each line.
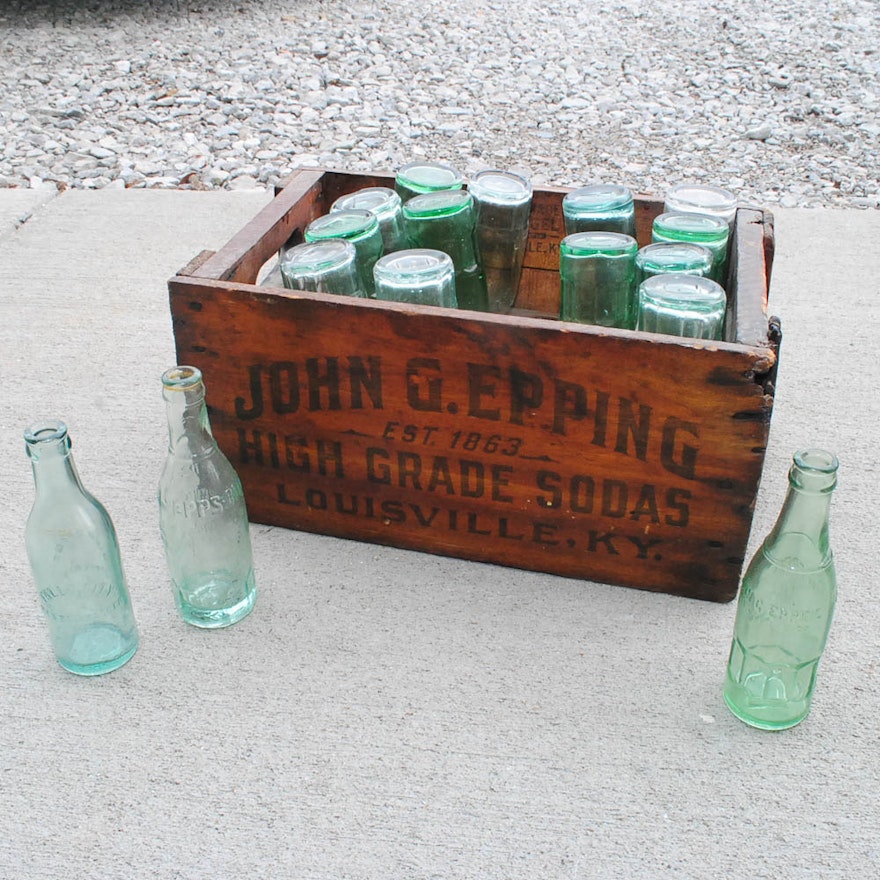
[779, 101]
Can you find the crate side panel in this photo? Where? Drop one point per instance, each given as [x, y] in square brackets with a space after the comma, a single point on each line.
[612, 457]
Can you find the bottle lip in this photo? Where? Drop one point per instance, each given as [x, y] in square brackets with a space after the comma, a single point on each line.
[415, 264]
[318, 256]
[598, 197]
[699, 227]
[182, 378]
[611, 244]
[378, 200]
[45, 431]
[504, 187]
[818, 460]
[682, 290]
[814, 471]
[442, 203]
[429, 176]
[684, 256]
[349, 223]
[696, 198]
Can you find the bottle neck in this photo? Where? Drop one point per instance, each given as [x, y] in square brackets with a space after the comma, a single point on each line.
[189, 431]
[800, 537]
[54, 469]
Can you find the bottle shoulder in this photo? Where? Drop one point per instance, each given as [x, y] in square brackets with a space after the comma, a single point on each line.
[797, 552]
[184, 475]
[84, 523]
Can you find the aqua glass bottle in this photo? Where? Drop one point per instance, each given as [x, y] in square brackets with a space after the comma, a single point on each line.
[710, 232]
[445, 221]
[786, 604]
[361, 228]
[385, 205]
[672, 256]
[502, 204]
[418, 178]
[74, 557]
[599, 207]
[202, 513]
[597, 272]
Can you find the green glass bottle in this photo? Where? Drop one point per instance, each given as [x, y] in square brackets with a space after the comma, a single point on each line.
[672, 256]
[418, 178]
[445, 221]
[202, 513]
[385, 205]
[597, 273]
[361, 228]
[710, 232]
[786, 604]
[502, 205]
[74, 557]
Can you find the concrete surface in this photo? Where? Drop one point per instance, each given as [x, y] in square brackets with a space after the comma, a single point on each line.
[388, 714]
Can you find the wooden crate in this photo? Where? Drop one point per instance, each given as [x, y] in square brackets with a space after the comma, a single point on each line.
[611, 455]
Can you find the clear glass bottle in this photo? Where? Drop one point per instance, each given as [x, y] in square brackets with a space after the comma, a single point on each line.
[786, 604]
[202, 513]
[680, 304]
[445, 221]
[599, 207]
[326, 266]
[503, 205]
[74, 556]
[696, 198]
[420, 276]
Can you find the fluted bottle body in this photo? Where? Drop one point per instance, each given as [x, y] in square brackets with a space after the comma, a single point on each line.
[786, 604]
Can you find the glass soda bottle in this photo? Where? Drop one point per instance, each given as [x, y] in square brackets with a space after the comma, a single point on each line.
[74, 557]
[786, 604]
[202, 513]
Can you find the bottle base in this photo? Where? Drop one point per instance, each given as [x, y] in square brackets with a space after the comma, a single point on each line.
[204, 616]
[98, 650]
[763, 723]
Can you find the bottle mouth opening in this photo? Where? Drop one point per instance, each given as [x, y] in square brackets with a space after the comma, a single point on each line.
[817, 460]
[814, 471]
[181, 378]
[46, 431]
